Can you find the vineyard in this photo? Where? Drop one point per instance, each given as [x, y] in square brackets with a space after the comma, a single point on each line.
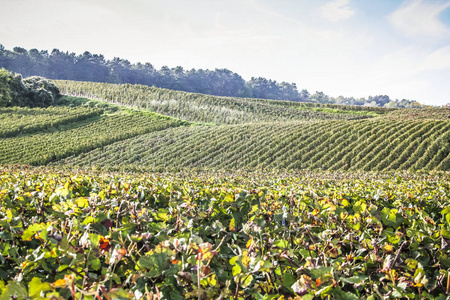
[212, 109]
[351, 145]
[143, 193]
[14, 121]
[91, 133]
[234, 235]
[45, 146]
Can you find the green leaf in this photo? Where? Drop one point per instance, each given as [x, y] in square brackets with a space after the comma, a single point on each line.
[82, 202]
[243, 268]
[339, 294]
[412, 263]
[358, 279]
[162, 215]
[319, 272]
[288, 281]
[447, 217]
[324, 291]
[247, 281]
[233, 260]
[94, 238]
[36, 286]
[445, 233]
[9, 215]
[281, 244]
[31, 231]
[156, 264]
[359, 207]
[95, 264]
[14, 289]
[387, 216]
[120, 294]
[232, 226]
[88, 220]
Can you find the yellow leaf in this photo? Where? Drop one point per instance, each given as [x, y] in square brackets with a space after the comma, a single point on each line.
[212, 280]
[388, 248]
[82, 202]
[9, 215]
[59, 283]
[232, 226]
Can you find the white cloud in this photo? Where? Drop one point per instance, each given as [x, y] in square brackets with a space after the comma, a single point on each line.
[410, 61]
[438, 60]
[337, 10]
[420, 18]
[409, 72]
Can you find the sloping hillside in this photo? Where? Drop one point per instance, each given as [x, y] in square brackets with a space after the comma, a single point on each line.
[268, 134]
[350, 145]
[39, 136]
[213, 109]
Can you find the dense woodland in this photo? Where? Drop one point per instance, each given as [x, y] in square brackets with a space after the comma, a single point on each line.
[221, 82]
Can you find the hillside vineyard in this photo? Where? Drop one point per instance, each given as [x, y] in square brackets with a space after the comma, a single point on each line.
[362, 145]
[202, 235]
[127, 129]
[136, 192]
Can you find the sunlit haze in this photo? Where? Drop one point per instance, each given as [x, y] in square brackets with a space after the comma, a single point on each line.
[341, 47]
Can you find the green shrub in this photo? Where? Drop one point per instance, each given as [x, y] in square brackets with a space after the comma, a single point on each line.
[32, 92]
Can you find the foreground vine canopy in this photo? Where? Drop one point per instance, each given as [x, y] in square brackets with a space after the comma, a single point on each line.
[204, 235]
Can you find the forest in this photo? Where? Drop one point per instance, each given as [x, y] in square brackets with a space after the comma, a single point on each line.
[66, 65]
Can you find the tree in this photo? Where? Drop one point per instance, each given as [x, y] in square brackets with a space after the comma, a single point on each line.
[262, 88]
[5, 89]
[320, 97]
[40, 91]
[304, 96]
[391, 104]
[33, 91]
[288, 91]
[380, 100]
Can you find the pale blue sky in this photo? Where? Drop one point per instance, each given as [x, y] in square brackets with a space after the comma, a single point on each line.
[341, 47]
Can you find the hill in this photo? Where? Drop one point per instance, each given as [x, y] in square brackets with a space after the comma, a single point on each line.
[376, 144]
[39, 135]
[71, 228]
[213, 109]
[124, 127]
[221, 82]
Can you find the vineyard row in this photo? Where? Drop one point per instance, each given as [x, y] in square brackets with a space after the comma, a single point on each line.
[350, 145]
[212, 109]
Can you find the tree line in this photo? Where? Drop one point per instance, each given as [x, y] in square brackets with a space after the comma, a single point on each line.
[220, 82]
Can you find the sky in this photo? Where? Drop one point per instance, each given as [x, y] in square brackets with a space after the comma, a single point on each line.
[358, 48]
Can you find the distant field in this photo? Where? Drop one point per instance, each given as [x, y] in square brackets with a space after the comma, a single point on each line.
[17, 120]
[50, 144]
[122, 133]
[348, 145]
[213, 109]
